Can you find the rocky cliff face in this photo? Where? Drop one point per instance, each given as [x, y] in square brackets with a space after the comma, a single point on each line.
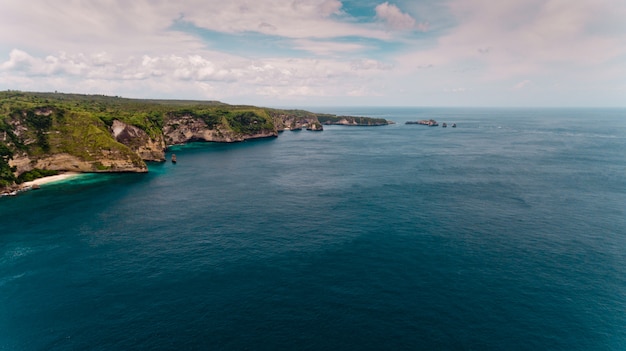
[148, 148]
[44, 138]
[182, 129]
[315, 126]
[346, 122]
[290, 122]
[108, 161]
[352, 121]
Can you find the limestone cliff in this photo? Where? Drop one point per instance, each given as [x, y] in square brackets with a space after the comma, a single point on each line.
[351, 120]
[108, 161]
[147, 147]
[295, 120]
[315, 126]
[185, 128]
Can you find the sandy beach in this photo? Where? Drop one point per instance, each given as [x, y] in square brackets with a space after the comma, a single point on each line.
[51, 179]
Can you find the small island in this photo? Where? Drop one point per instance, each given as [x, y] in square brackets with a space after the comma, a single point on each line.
[430, 123]
[48, 134]
[425, 122]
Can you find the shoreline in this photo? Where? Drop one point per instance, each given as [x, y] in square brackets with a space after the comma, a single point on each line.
[50, 179]
[35, 184]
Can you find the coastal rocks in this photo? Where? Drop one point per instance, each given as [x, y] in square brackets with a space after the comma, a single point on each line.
[108, 161]
[148, 148]
[430, 123]
[425, 122]
[345, 122]
[13, 190]
[293, 122]
[181, 129]
[315, 126]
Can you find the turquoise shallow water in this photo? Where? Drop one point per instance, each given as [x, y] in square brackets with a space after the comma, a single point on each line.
[508, 232]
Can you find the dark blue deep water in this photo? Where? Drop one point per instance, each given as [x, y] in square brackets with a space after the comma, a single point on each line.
[506, 233]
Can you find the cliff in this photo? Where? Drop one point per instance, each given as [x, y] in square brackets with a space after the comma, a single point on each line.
[55, 139]
[351, 120]
[295, 120]
[181, 128]
[147, 147]
[92, 133]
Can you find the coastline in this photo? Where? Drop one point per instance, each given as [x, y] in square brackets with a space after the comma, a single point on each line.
[35, 184]
[50, 179]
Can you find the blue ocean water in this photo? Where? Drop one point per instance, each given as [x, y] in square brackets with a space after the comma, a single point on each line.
[507, 232]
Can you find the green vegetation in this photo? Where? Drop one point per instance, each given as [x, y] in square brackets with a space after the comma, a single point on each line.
[34, 174]
[6, 171]
[249, 121]
[84, 136]
[294, 113]
[42, 111]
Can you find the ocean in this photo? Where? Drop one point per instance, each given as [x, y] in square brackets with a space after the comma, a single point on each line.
[505, 233]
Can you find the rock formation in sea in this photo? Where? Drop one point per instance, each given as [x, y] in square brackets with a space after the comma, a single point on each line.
[315, 126]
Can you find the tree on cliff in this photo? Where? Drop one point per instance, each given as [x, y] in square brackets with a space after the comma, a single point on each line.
[7, 177]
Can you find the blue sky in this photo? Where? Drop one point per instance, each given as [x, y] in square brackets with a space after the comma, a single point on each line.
[321, 52]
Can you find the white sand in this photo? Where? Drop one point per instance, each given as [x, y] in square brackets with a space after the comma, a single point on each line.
[51, 179]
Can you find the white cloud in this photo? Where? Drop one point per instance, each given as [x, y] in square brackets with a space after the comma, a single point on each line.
[99, 25]
[521, 84]
[330, 7]
[363, 92]
[227, 78]
[265, 27]
[159, 48]
[513, 40]
[526, 37]
[454, 90]
[369, 64]
[290, 19]
[23, 63]
[18, 60]
[393, 17]
[146, 26]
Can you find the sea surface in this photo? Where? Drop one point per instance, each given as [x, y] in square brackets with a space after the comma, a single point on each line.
[505, 233]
